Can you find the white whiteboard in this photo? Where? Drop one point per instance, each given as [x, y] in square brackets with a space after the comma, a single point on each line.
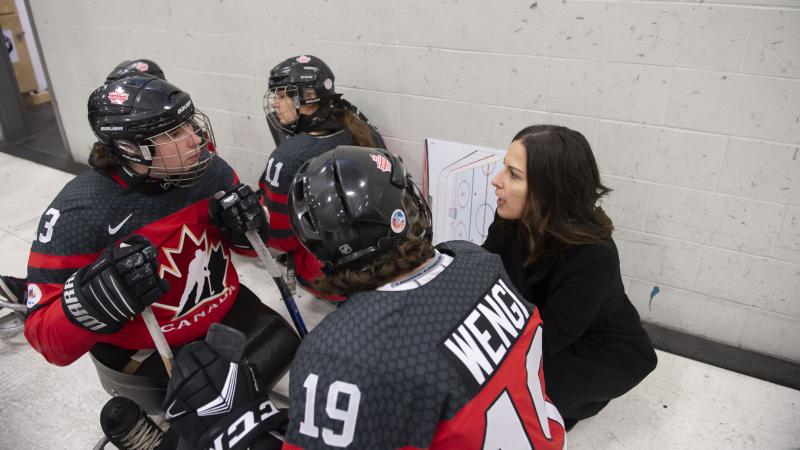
[457, 182]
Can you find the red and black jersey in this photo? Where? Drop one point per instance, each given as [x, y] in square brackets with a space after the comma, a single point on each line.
[455, 363]
[276, 180]
[94, 211]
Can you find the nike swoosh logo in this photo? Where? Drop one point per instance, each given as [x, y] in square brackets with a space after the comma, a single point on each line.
[113, 230]
[169, 415]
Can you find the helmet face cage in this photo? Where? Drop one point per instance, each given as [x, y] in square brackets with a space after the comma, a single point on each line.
[178, 156]
[277, 94]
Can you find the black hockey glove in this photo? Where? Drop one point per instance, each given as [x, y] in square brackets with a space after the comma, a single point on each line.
[214, 400]
[116, 287]
[237, 211]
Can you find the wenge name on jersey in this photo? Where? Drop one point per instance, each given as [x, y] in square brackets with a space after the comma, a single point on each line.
[481, 340]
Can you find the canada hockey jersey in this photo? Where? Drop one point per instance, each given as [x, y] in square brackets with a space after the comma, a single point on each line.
[455, 363]
[93, 212]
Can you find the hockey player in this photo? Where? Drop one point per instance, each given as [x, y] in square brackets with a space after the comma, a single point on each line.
[433, 349]
[143, 229]
[122, 70]
[302, 105]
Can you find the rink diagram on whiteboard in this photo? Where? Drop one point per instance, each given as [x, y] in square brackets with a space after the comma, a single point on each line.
[458, 183]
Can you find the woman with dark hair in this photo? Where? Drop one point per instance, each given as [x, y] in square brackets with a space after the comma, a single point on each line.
[307, 117]
[555, 242]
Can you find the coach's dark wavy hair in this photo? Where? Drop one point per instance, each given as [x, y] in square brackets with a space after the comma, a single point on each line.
[564, 187]
[403, 259]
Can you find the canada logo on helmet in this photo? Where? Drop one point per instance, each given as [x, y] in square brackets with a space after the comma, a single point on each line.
[142, 66]
[303, 59]
[381, 162]
[118, 96]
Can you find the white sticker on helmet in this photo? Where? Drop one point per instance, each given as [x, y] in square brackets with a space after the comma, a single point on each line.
[142, 66]
[303, 59]
[34, 295]
[328, 83]
[398, 222]
[146, 152]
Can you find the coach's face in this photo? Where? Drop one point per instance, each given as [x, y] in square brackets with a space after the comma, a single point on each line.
[511, 184]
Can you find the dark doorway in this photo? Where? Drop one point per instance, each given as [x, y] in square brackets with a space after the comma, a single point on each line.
[29, 126]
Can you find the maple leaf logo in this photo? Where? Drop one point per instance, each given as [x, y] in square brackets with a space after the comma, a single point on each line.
[118, 96]
[195, 267]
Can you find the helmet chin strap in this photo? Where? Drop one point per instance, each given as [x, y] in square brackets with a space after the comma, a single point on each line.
[322, 118]
[142, 182]
[317, 121]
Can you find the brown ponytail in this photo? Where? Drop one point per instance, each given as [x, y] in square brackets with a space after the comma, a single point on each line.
[362, 133]
[102, 157]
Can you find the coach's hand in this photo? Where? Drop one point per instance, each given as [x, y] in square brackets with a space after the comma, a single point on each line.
[116, 287]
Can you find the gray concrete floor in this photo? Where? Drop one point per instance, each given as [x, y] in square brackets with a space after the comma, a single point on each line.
[682, 404]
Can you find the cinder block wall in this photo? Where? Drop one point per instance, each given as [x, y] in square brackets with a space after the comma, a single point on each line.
[693, 109]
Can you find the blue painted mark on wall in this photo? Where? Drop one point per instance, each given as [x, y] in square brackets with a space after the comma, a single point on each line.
[653, 293]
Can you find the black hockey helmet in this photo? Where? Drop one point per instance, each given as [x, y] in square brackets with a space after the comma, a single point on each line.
[135, 66]
[296, 77]
[346, 206]
[147, 121]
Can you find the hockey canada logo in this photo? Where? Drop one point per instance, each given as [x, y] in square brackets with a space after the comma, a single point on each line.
[118, 96]
[197, 268]
[383, 164]
[142, 66]
[303, 59]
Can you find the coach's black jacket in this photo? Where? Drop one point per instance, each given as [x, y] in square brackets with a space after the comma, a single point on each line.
[595, 346]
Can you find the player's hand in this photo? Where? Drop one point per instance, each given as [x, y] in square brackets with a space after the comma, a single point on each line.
[237, 211]
[116, 287]
[214, 400]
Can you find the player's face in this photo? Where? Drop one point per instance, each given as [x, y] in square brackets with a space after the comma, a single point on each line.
[176, 150]
[285, 108]
[511, 184]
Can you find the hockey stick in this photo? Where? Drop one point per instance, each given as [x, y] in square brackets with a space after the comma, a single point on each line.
[156, 334]
[277, 277]
[158, 338]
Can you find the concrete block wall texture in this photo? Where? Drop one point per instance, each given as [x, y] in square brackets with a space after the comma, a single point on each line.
[692, 108]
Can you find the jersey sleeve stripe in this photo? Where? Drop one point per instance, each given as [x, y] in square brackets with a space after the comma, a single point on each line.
[280, 234]
[45, 261]
[279, 221]
[49, 275]
[273, 196]
[279, 208]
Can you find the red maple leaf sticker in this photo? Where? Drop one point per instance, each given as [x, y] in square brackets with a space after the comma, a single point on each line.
[383, 164]
[118, 96]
